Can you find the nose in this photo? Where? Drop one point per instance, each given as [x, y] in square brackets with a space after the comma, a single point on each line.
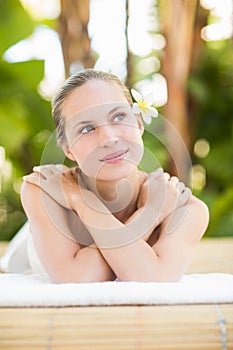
[108, 136]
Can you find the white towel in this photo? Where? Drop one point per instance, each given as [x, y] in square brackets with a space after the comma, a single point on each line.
[27, 284]
[37, 290]
[21, 256]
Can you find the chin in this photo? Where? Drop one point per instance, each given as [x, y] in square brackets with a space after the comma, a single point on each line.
[114, 172]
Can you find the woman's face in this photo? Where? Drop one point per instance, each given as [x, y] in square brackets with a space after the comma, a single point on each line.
[104, 136]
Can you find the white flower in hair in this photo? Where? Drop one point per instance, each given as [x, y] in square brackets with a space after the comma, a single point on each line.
[143, 107]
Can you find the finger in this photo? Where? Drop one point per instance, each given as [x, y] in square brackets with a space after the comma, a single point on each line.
[74, 170]
[174, 180]
[33, 178]
[180, 187]
[61, 167]
[166, 176]
[39, 168]
[74, 174]
[185, 196]
[155, 174]
[159, 171]
[46, 170]
[57, 170]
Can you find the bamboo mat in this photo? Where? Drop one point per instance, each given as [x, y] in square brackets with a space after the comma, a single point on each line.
[128, 327]
[99, 328]
[213, 255]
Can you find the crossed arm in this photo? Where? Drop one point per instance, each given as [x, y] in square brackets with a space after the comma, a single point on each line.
[121, 250]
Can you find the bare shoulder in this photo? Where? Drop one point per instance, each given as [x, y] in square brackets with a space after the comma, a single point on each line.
[187, 224]
[49, 228]
[30, 197]
[36, 203]
[43, 212]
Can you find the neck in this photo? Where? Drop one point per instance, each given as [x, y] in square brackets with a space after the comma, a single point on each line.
[120, 196]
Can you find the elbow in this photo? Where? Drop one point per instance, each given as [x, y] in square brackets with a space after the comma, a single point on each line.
[151, 278]
[158, 275]
[203, 216]
[63, 279]
[74, 276]
[200, 214]
[62, 275]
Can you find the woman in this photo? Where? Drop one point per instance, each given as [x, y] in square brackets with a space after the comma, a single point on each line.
[106, 219]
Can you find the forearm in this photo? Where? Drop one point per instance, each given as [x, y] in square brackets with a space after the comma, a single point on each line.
[143, 223]
[101, 222]
[129, 256]
[88, 265]
[131, 260]
[136, 261]
[108, 232]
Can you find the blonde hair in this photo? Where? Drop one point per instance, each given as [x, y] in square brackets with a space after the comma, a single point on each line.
[76, 80]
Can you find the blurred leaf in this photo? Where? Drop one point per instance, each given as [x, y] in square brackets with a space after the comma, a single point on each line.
[29, 73]
[219, 164]
[15, 24]
[211, 89]
[23, 113]
[221, 211]
[14, 127]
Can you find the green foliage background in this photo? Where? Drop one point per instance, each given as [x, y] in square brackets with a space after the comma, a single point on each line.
[26, 124]
[211, 87]
[25, 121]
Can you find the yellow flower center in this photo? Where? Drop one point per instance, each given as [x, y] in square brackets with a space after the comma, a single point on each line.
[143, 105]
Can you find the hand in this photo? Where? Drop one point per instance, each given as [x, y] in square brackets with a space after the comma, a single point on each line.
[160, 194]
[58, 181]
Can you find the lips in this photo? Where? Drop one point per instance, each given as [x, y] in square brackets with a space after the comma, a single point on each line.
[114, 156]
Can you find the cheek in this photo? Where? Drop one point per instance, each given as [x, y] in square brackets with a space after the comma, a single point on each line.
[131, 133]
[86, 155]
[79, 149]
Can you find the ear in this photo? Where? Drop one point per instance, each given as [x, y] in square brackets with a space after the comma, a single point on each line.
[68, 153]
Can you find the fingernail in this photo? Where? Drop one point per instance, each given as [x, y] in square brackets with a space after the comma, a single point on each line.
[59, 167]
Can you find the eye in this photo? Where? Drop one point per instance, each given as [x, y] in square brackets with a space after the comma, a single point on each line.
[119, 117]
[87, 129]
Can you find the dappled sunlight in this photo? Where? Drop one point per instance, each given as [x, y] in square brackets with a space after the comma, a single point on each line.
[218, 31]
[40, 9]
[201, 148]
[222, 28]
[157, 86]
[5, 167]
[43, 44]
[141, 41]
[198, 177]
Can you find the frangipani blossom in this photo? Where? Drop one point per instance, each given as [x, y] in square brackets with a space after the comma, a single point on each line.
[143, 107]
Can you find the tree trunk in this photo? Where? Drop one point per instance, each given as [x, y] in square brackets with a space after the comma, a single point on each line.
[178, 18]
[198, 44]
[129, 65]
[76, 44]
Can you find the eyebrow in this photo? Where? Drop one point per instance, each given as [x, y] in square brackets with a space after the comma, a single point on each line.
[84, 122]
